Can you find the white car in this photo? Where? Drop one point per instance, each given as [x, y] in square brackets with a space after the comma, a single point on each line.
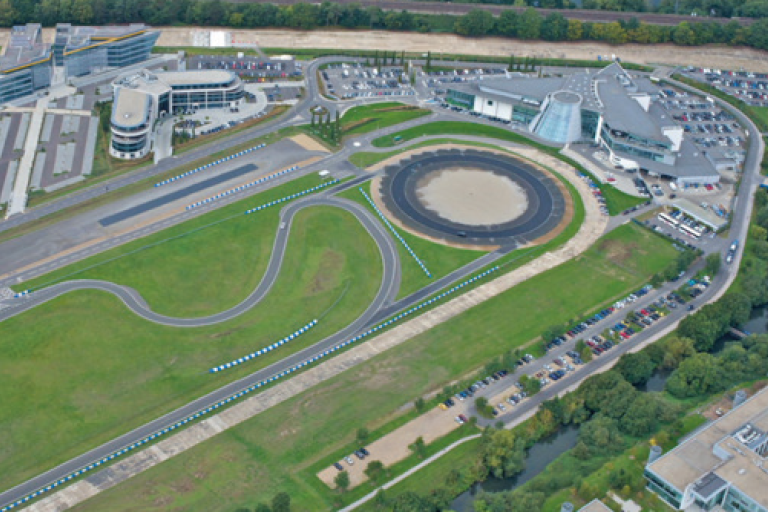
[349, 460]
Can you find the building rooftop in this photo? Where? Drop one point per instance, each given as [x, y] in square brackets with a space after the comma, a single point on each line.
[212, 76]
[25, 47]
[728, 449]
[689, 162]
[74, 38]
[595, 506]
[130, 108]
[704, 215]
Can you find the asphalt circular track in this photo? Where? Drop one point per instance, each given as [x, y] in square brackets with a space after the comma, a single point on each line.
[133, 300]
[546, 204]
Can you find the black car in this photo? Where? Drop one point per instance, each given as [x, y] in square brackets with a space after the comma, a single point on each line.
[365, 452]
[338, 466]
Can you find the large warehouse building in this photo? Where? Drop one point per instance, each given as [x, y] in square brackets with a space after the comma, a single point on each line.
[28, 64]
[140, 98]
[607, 107]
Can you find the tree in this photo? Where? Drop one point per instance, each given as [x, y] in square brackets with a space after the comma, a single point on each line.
[380, 499]
[375, 470]
[584, 351]
[506, 24]
[575, 30]
[552, 332]
[641, 416]
[419, 447]
[362, 435]
[529, 24]
[476, 22]
[636, 368]
[530, 385]
[676, 349]
[601, 436]
[262, 507]
[342, 481]
[698, 375]
[282, 502]
[554, 28]
[684, 35]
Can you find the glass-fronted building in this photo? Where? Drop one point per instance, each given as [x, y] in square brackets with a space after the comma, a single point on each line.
[140, 98]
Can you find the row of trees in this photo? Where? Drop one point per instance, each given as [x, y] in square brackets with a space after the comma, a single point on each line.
[529, 24]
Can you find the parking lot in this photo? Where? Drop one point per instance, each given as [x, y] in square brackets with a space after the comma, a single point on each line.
[354, 80]
[745, 85]
[249, 68]
[437, 81]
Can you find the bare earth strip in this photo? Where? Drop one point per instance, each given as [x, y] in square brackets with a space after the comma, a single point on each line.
[592, 228]
[703, 56]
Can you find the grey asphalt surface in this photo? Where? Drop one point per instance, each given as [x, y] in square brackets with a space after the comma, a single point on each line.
[376, 310]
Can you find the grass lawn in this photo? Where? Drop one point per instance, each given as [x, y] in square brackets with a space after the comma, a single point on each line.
[617, 201]
[440, 259]
[367, 118]
[199, 267]
[81, 369]
[282, 449]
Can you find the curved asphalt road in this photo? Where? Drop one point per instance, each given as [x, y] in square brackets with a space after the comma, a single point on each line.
[386, 294]
[133, 300]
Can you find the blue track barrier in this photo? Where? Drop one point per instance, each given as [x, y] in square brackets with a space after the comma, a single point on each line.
[397, 235]
[246, 391]
[270, 348]
[243, 187]
[206, 166]
[292, 196]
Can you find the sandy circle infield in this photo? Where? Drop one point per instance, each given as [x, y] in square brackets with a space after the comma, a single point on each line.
[473, 197]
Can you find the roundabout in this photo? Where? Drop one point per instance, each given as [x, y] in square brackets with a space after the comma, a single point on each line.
[481, 198]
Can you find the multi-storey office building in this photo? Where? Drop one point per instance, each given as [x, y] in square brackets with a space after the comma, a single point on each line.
[140, 98]
[26, 65]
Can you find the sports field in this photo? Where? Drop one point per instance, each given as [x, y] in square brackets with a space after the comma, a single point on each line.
[283, 449]
[82, 369]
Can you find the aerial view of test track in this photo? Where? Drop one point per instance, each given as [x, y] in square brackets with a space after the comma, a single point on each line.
[322, 246]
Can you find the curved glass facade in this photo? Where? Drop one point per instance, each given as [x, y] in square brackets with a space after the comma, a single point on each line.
[129, 146]
[561, 120]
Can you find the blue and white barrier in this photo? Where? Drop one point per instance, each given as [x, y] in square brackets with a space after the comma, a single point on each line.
[270, 348]
[397, 235]
[292, 196]
[207, 166]
[22, 294]
[244, 392]
[243, 187]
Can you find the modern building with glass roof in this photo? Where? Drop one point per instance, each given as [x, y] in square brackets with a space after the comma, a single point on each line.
[721, 466]
[608, 107]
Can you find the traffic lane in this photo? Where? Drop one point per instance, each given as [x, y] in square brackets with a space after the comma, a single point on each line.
[386, 292]
[132, 299]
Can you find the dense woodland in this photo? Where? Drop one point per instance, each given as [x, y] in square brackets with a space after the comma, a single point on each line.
[530, 24]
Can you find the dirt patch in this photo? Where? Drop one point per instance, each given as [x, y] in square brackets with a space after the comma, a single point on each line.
[617, 251]
[718, 409]
[705, 56]
[308, 143]
[331, 263]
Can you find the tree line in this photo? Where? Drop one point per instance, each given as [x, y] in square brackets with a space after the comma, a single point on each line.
[530, 24]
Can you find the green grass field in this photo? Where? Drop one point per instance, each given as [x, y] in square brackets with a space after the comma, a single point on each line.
[284, 448]
[82, 369]
[199, 267]
[367, 118]
[617, 201]
[440, 259]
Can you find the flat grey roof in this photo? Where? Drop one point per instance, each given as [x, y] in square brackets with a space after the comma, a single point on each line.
[708, 485]
[703, 215]
[76, 37]
[195, 77]
[694, 458]
[690, 163]
[624, 113]
[131, 107]
[25, 47]
[517, 88]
